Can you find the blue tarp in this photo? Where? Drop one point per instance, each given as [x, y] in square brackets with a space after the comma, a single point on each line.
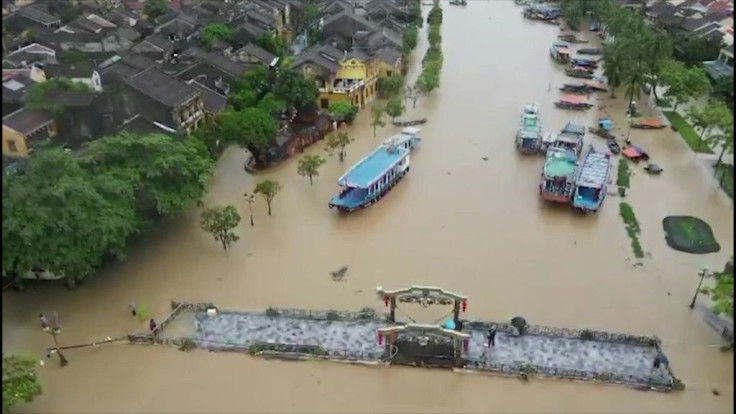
[605, 124]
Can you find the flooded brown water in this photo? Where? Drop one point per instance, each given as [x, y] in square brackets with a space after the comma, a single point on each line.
[469, 225]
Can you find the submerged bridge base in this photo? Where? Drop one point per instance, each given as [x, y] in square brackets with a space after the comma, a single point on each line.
[353, 337]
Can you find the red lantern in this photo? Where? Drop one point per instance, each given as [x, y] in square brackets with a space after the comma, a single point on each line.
[465, 305]
[386, 300]
[466, 343]
[380, 338]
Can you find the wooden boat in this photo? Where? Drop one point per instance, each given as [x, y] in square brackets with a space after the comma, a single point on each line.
[647, 123]
[585, 63]
[613, 146]
[371, 178]
[560, 51]
[578, 72]
[575, 88]
[596, 86]
[408, 139]
[635, 153]
[529, 133]
[591, 181]
[571, 138]
[459, 2]
[570, 38]
[538, 12]
[558, 173]
[400, 122]
[574, 102]
[590, 51]
[601, 133]
[548, 140]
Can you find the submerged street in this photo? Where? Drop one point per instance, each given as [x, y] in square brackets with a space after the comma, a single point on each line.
[468, 218]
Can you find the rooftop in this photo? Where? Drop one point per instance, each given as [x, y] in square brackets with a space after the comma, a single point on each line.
[162, 88]
[213, 101]
[27, 121]
[69, 70]
[38, 16]
[325, 56]
[371, 168]
[260, 53]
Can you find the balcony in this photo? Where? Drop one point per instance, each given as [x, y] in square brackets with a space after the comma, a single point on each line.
[347, 85]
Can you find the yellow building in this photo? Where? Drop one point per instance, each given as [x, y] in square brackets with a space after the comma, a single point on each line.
[24, 128]
[390, 62]
[340, 75]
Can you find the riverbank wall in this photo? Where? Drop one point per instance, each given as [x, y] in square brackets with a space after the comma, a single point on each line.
[344, 336]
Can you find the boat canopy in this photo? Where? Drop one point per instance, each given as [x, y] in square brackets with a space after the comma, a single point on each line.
[575, 129]
[650, 122]
[594, 172]
[559, 163]
[549, 138]
[574, 99]
[368, 170]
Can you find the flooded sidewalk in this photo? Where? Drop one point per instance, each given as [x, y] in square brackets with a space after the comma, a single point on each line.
[353, 336]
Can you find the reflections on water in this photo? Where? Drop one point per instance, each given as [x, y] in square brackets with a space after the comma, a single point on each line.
[468, 217]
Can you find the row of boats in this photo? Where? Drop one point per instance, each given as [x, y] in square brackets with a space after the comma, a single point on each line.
[376, 174]
[565, 179]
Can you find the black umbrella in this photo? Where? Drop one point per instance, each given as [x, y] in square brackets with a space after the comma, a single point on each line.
[519, 323]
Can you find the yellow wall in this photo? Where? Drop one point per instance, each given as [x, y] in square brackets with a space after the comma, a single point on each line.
[20, 143]
[352, 69]
[384, 68]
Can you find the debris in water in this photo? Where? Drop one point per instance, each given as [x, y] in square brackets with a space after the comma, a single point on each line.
[715, 392]
[359, 291]
[339, 274]
[669, 293]
[485, 158]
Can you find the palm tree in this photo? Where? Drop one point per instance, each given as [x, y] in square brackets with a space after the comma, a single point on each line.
[633, 78]
[612, 66]
[658, 48]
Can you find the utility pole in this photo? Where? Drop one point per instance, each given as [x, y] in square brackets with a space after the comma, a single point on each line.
[703, 273]
[250, 199]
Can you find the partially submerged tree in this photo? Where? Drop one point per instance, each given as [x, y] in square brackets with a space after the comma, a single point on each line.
[377, 113]
[714, 115]
[612, 66]
[251, 128]
[390, 86]
[20, 382]
[683, 83]
[220, 221]
[724, 141]
[394, 107]
[344, 111]
[296, 90]
[336, 144]
[309, 166]
[722, 293]
[268, 190]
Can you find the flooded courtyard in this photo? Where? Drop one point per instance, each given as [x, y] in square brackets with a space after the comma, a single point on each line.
[467, 218]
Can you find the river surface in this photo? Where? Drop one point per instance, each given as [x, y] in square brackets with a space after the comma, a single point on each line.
[458, 221]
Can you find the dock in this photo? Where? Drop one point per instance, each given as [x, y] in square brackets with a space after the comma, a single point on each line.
[561, 353]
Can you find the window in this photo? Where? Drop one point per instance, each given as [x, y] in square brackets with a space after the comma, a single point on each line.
[324, 103]
[389, 73]
[12, 147]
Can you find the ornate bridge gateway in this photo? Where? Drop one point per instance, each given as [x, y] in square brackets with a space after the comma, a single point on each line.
[370, 337]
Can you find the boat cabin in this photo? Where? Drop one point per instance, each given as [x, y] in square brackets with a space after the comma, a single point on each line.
[408, 138]
[592, 180]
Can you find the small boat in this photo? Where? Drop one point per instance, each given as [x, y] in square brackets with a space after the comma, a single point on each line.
[371, 178]
[575, 88]
[538, 12]
[647, 123]
[653, 169]
[579, 72]
[613, 145]
[560, 51]
[596, 86]
[635, 153]
[571, 138]
[400, 122]
[585, 63]
[529, 134]
[557, 175]
[591, 181]
[548, 140]
[459, 2]
[570, 38]
[590, 51]
[408, 139]
[574, 102]
[601, 133]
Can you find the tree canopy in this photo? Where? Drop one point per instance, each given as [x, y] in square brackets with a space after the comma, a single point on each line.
[220, 222]
[683, 83]
[251, 128]
[336, 144]
[272, 43]
[309, 166]
[344, 110]
[296, 90]
[395, 107]
[20, 382]
[268, 190]
[722, 293]
[215, 31]
[155, 8]
[377, 113]
[37, 94]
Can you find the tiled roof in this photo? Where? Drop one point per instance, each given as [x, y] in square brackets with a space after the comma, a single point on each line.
[213, 102]
[260, 53]
[162, 88]
[38, 16]
[389, 55]
[26, 121]
[65, 70]
[324, 56]
[219, 61]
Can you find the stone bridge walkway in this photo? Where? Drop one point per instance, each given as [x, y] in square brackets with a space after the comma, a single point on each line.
[228, 330]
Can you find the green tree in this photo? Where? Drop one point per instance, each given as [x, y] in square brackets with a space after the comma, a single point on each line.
[409, 40]
[250, 88]
[305, 17]
[73, 56]
[251, 128]
[724, 141]
[633, 80]
[658, 49]
[723, 90]
[722, 293]
[377, 113]
[394, 107]
[683, 84]
[155, 8]
[167, 173]
[294, 88]
[272, 43]
[272, 104]
[38, 93]
[344, 110]
[309, 166]
[390, 86]
[215, 31]
[434, 35]
[72, 218]
[715, 114]
[336, 144]
[427, 82]
[435, 15]
[412, 92]
[268, 190]
[612, 67]
[693, 50]
[64, 10]
[20, 382]
[220, 221]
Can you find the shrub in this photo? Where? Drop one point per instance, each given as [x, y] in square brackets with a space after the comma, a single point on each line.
[388, 87]
[187, 344]
[586, 335]
[272, 312]
[333, 315]
[632, 228]
[344, 110]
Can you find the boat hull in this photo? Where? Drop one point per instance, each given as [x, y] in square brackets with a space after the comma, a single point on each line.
[372, 200]
[554, 198]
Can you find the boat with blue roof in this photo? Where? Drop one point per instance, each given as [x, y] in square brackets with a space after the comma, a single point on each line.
[591, 181]
[408, 138]
[372, 177]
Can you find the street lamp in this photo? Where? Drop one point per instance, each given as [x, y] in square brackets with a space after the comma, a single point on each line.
[250, 199]
[55, 330]
[703, 273]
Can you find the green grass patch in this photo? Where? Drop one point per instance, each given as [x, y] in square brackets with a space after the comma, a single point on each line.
[689, 234]
[724, 175]
[632, 228]
[623, 180]
[687, 132]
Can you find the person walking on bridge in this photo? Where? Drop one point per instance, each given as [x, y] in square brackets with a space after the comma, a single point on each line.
[491, 337]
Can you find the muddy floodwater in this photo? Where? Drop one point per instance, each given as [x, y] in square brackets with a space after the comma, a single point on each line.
[467, 218]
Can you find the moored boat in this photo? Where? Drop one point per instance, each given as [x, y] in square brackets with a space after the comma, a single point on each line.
[579, 72]
[548, 140]
[591, 181]
[584, 63]
[570, 38]
[560, 51]
[459, 2]
[575, 88]
[647, 123]
[412, 122]
[571, 138]
[557, 175]
[590, 51]
[371, 178]
[408, 139]
[574, 102]
[529, 134]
